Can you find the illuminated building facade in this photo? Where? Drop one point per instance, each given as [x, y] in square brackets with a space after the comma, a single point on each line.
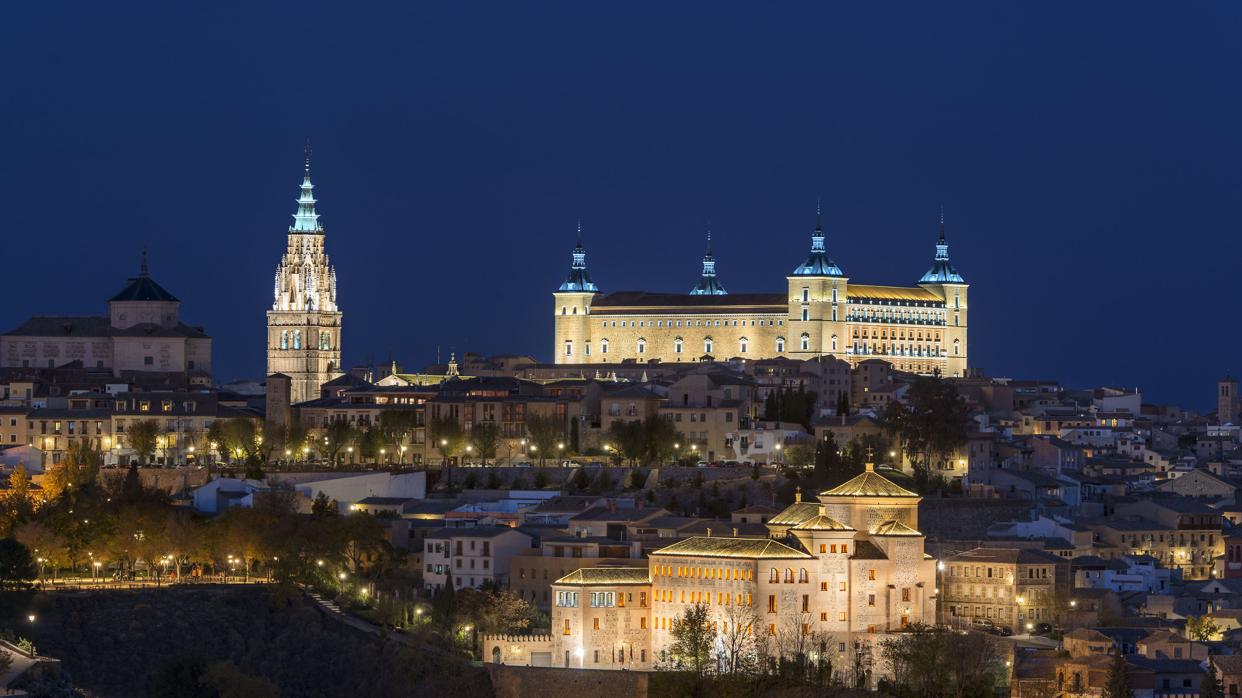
[921, 328]
[833, 576]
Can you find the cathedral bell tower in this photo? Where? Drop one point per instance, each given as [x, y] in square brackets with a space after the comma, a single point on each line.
[304, 324]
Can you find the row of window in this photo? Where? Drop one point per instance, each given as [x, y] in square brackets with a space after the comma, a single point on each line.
[709, 345]
[294, 338]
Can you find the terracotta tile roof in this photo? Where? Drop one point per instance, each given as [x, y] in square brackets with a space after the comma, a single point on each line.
[588, 576]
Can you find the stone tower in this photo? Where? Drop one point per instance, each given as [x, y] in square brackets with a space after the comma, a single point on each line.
[304, 324]
[943, 280]
[571, 304]
[818, 292]
[1227, 401]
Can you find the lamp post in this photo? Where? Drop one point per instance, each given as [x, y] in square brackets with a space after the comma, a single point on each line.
[779, 459]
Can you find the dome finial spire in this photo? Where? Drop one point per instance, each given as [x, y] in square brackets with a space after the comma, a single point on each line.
[819, 213]
[307, 149]
[143, 269]
[941, 224]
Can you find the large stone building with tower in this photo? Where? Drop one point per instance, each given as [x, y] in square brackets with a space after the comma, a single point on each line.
[833, 576]
[822, 312]
[141, 334]
[304, 324]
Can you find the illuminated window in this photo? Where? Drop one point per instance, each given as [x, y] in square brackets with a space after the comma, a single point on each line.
[843, 616]
[566, 626]
[871, 575]
[841, 586]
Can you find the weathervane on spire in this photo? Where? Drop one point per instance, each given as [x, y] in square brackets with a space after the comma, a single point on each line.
[307, 149]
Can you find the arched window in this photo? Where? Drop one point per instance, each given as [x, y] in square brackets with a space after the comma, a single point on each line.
[806, 342]
[780, 345]
[742, 344]
[774, 576]
[789, 575]
[495, 655]
[834, 342]
[569, 347]
[563, 310]
[297, 339]
[708, 345]
[642, 345]
[802, 579]
[957, 345]
[574, 310]
[284, 339]
[677, 345]
[603, 346]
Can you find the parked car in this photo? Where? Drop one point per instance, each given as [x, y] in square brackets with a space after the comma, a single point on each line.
[1043, 628]
[701, 464]
[570, 464]
[523, 464]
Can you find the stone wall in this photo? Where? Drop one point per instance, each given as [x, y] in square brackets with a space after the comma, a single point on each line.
[521, 681]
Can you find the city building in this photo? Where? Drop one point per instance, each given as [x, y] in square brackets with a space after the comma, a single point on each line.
[304, 324]
[839, 573]
[1012, 588]
[919, 329]
[142, 333]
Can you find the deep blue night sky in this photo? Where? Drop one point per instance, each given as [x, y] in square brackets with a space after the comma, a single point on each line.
[1086, 154]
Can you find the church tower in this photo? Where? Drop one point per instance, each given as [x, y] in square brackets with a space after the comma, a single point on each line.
[304, 324]
[571, 304]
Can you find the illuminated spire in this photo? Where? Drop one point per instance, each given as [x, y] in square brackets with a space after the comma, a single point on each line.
[708, 284]
[942, 271]
[818, 262]
[306, 220]
[579, 279]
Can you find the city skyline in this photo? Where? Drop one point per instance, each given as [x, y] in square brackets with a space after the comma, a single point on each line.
[1064, 188]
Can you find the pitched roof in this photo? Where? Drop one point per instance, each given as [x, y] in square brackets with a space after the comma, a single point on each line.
[822, 523]
[894, 528]
[795, 514]
[868, 484]
[606, 575]
[896, 293]
[753, 548]
[142, 288]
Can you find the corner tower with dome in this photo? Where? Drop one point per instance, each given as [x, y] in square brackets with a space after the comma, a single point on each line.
[920, 328]
[304, 324]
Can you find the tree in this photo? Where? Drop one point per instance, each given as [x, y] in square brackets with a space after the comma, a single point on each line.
[1210, 686]
[935, 662]
[485, 438]
[397, 425]
[324, 506]
[628, 439]
[800, 454]
[16, 566]
[659, 437]
[545, 433]
[338, 435]
[1118, 682]
[143, 437]
[931, 424]
[1202, 628]
[79, 470]
[843, 403]
[739, 650]
[448, 437]
[692, 640]
[493, 610]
